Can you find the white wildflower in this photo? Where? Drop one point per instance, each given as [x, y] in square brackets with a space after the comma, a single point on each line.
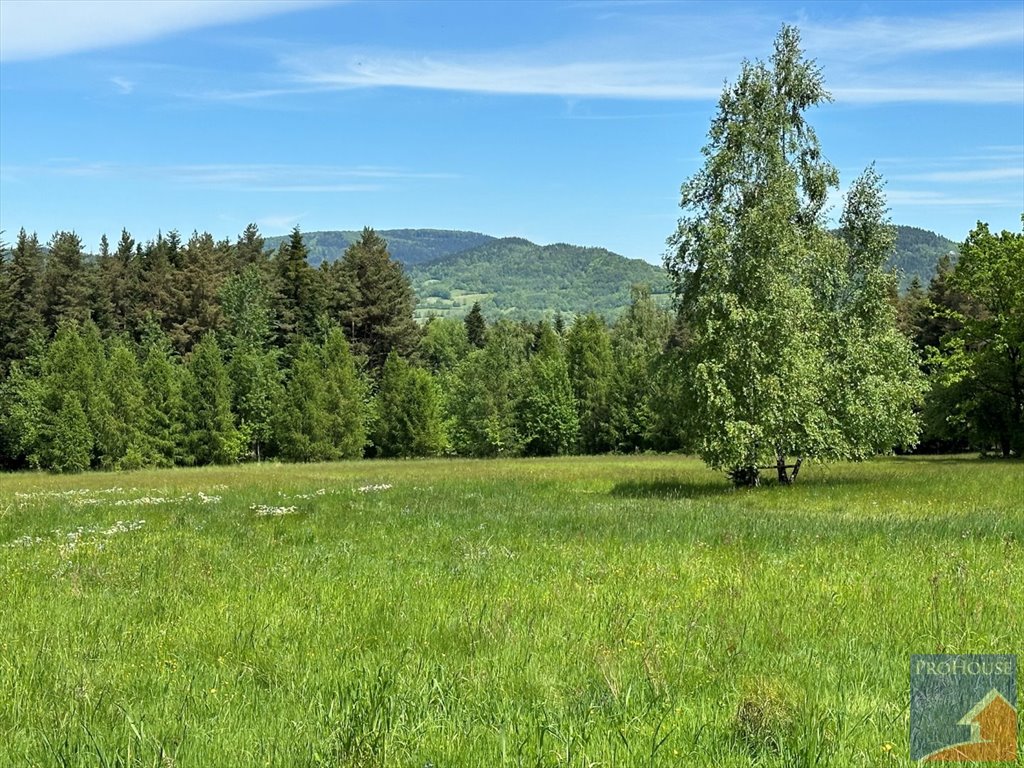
[374, 488]
[262, 510]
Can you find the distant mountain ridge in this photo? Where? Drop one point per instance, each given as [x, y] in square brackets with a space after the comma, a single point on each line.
[512, 276]
[917, 253]
[409, 246]
[452, 269]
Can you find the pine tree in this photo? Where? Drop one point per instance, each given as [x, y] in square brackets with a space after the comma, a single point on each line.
[378, 316]
[322, 417]
[408, 419]
[592, 370]
[212, 437]
[66, 281]
[162, 378]
[298, 296]
[476, 326]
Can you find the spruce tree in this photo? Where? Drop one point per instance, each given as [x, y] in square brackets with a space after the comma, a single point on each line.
[24, 286]
[378, 315]
[323, 412]
[476, 326]
[592, 371]
[65, 281]
[212, 437]
[198, 281]
[249, 248]
[408, 420]
[298, 298]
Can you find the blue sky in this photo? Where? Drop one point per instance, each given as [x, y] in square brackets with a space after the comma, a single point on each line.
[559, 122]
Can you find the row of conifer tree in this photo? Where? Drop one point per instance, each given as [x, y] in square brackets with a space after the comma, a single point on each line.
[169, 353]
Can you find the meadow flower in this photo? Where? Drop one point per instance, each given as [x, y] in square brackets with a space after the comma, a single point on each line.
[262, 510]
[373, 488]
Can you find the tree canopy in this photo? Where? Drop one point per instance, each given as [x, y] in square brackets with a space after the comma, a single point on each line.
[789, 346]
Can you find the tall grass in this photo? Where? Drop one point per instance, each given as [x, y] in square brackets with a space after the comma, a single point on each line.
[584, 611]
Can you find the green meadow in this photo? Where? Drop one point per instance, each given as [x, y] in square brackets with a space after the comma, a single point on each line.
[608, 611]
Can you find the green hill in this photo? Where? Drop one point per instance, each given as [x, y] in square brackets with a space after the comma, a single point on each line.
[515, 277]
[409, 246]
[451, 269]
[917, 253]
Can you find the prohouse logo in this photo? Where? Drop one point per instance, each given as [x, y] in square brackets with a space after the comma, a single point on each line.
[963, 708]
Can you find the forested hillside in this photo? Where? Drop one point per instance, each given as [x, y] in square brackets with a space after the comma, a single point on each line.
[452, 269]
[917, 254]
[515, 277]
[408, 246]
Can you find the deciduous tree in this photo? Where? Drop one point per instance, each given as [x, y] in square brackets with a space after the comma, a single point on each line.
[764, 288]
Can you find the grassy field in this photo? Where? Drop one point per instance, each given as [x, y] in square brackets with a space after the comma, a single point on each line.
[587, 611]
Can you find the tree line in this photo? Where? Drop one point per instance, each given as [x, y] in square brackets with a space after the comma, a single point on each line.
[169, 353]
[185, 353]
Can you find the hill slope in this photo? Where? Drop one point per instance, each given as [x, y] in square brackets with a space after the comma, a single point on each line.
[516, 277]
[409, 246]
[451, 269]
[917, 253]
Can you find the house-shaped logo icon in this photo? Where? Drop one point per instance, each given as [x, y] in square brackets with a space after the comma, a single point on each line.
[993, 723]
[963, 708]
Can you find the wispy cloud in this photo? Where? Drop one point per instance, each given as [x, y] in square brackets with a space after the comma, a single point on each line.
[878, 60]
[123, 84]
[964, 90]
[897, 36]
[508, 75]
[36, 29]
[279, 222]
[243, 177]
[980, 174]
[927, 199]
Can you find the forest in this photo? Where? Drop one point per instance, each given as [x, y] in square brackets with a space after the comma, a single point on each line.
[172, 352]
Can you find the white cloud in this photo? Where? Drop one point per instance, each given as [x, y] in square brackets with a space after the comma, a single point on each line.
[981, 174]
[280, 222]
[510, 75]
[242, 177]
[928, 199]
[680, 79]
[36, 29]
[899, 35]
[124, 85]
[961, 90]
